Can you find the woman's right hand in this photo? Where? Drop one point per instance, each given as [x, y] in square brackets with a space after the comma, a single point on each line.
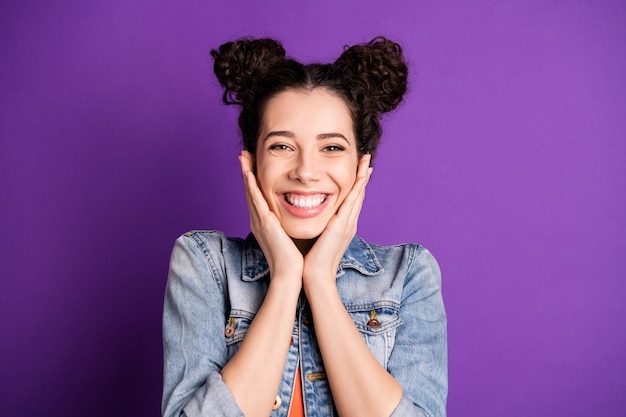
[283, 257]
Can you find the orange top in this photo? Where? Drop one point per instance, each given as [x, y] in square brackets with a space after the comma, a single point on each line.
[297, 407]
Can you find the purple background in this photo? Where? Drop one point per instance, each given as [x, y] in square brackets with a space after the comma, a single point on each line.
[507, 160]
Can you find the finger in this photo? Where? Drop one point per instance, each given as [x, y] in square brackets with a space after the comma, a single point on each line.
[355, 198]
[360, 197]
[343, 226]
[256, 200]
[245, 169]
[247, 163]
[364, 164]
[249, 182]
[364, 173]
[348, 214]
[248, 170]
[362, 176]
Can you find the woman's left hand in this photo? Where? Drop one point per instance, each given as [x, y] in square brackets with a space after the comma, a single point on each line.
[359, 384]
[322, 261]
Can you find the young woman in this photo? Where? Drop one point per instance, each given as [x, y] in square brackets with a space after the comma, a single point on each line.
[303, 317]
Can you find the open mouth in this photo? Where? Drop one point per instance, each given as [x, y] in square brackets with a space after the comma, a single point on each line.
[305, 201]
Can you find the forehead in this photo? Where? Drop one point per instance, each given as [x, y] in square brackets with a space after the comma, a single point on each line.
[317, 110]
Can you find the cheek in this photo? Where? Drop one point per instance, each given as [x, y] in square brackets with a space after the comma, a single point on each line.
[264, 185]
[345, 180]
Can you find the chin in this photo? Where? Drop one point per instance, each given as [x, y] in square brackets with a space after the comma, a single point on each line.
[302, 233]
[304, 236]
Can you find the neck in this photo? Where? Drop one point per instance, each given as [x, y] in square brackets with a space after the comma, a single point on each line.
[304, 245]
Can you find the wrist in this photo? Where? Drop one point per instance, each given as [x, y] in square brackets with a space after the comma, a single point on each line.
[320, 286]
[285, 285]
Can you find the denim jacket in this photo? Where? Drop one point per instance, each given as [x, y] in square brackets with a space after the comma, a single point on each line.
[217, 284]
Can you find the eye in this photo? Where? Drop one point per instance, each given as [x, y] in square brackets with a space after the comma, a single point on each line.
[334, 148]
[279, 147]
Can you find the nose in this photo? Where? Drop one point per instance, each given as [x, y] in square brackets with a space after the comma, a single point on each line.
[306, 167]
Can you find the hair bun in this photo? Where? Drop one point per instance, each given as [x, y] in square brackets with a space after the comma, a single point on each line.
[378, 72]
[242, 64]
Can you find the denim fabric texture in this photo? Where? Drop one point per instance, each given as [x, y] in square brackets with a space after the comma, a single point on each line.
[216, 285]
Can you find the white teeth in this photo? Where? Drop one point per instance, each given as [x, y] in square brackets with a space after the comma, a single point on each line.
[305, 202]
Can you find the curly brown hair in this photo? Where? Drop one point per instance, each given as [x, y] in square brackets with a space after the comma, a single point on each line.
[371, 78]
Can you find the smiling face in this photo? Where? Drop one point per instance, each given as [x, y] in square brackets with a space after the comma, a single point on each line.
[306, 159]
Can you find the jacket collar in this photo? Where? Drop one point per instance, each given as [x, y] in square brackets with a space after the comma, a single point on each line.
[359, 256]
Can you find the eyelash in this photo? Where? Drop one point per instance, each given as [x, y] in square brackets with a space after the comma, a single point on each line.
[279, 147]
[283, 147]
[334, 148]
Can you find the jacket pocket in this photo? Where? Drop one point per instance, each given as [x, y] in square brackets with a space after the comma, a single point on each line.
[235, 329]
[377, 322]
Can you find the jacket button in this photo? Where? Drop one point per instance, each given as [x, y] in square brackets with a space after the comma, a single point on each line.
[373, 321]
[230, 329]
[277, 403]
[315, 376]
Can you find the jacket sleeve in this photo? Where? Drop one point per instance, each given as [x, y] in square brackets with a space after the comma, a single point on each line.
[419, 358]
[194, 346]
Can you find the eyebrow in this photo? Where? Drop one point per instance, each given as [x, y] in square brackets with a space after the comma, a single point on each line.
[291, 135]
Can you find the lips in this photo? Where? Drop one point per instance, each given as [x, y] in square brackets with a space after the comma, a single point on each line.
[305, 205]
[308, 201]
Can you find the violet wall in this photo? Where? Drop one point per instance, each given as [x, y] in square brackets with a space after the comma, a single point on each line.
[507, 160]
